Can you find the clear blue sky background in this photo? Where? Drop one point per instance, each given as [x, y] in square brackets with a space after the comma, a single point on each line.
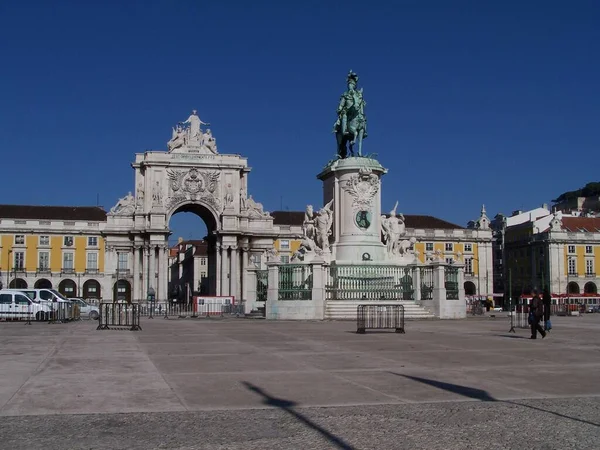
[469, 102]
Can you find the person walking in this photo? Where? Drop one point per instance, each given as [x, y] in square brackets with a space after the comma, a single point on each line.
[536, 313]
[547, 300]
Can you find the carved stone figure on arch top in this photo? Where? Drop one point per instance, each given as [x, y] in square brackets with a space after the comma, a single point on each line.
[255, 209]
[124, 206]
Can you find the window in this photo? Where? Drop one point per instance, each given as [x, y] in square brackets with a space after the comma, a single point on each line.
[22, 300]
[589, 249]
[92, 261]
[44, 260]
[449, 260]
[68, 241]
[589, 267]
[44, 240]
[572, 268]
[92, 241]
[468, 247]
[19, 260]
[19, 239]
[449, 246]
[469, 265]
[68, 261]
[92, 288]
[571, 249]
[203, 261]
[5, 299]
[285, 259]
[202, 274]
[284, 244]
[428, 246]
[122, 262]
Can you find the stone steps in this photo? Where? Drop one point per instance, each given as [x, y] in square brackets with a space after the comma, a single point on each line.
[346, 309]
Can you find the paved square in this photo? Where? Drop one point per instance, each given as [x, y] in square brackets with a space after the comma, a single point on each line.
[253, 384]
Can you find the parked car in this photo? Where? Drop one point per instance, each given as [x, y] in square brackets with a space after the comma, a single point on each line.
[85, 309]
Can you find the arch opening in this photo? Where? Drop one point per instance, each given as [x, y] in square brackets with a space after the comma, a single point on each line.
[43, 283]
[572, 288]
[92, 289]
[192, 267]
[122, 291]
[590, 288]
[18, 283]
[68, 288]
[470, 288]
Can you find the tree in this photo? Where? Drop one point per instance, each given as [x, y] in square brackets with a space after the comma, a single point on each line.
[589, 190]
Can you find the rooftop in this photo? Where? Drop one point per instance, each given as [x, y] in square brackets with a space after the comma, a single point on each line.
[36, 212]
[411, 221]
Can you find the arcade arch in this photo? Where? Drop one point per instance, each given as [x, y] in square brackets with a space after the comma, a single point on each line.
[18, 283]
[43, 283]
[470, 288]
[68, 288]
[572, 288]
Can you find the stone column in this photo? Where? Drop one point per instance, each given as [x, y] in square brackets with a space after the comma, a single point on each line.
[250, 295]
[159, 269]
[144, 267]
[272, 291]
[224, 270]
[439, 288]
[318, 289]
[217, 270]
[234, 272]
[416, 278]
[244, 275]
[164, 290]
[136, 295]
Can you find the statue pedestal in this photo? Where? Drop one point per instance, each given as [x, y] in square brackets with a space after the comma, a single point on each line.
[354, 184]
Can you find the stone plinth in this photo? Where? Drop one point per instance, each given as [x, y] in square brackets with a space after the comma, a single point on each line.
[354, 184]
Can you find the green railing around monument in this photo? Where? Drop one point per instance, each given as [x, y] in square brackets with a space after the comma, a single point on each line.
[295, 282]
[451, 282]
[369, 282]
[426, 283]
[262, 285]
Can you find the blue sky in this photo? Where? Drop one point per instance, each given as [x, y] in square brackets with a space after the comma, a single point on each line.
[469, 102]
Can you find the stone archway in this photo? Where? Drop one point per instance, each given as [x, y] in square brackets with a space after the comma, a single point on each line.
[92, 289]
[590, 288]
[43, 283]
[122, 291]
[17, 283]
[68, 288]
[470, 288]
[190, 176]
[573, 288]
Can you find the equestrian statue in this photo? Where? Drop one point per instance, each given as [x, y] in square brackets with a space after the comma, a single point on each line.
[351, 124]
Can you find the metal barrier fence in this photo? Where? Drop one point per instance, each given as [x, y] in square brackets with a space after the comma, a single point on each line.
[119, 315]
[51, 312]
[170, 310]
[379, 317]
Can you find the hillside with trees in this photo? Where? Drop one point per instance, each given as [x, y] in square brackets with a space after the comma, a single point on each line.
[589, 190]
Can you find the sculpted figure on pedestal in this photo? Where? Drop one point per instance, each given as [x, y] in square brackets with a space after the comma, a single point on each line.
[351, 124]
[243, 199]
[177, 139]
[209, 142]
[125, 205]
[140, 195]
[393, 229]
[323, 223]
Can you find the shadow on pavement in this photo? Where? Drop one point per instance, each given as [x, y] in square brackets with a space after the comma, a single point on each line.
[512, 336]
[287, 406]
[480, 394]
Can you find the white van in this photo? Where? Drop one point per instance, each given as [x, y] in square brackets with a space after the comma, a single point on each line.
[62, 307]
[15, 305]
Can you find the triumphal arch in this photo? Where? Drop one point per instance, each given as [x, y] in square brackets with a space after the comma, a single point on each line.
[191, 176]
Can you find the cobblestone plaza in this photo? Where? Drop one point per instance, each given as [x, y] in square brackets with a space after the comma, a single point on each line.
[254, 384]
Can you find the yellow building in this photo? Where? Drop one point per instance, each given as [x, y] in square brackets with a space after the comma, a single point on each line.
[58, 247]
[434, 238]
[557, 251]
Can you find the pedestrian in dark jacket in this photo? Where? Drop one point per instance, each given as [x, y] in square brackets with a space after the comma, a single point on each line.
[547, 300]
[537, 309]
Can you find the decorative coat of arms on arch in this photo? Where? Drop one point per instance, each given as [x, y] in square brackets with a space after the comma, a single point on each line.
[193, 185]
[363, 187]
